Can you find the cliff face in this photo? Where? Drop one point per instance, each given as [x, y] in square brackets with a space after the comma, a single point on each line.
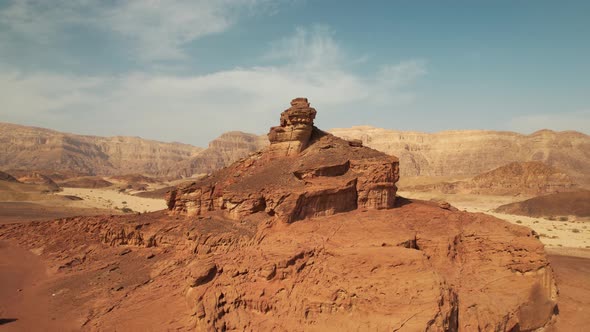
[305, 172]
[222, 151]
[472, 152]
[33, 148]
[526, 178]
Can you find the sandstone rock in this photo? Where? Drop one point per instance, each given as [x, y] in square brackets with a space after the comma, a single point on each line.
[38, 179]
[517, 178]
[7, 177]
[201, 272]
[472, 152]
[45, 150]
[576, 203]
[222, 151]
[294, 132]
[416, 267]
[307, 174]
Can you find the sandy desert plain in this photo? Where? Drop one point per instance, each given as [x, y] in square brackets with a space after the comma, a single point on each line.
[307, 233]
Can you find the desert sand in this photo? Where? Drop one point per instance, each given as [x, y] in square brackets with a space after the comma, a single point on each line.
[112, 199]
[571, 233]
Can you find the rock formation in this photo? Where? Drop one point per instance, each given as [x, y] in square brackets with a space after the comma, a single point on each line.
[7, 177]
[517, 178]
[472, 152]
[305, 172]
[37, 178]
[413, 268]
[221, 152]
[228, 254]
[44, 150]
[563, 204]
[294, 133]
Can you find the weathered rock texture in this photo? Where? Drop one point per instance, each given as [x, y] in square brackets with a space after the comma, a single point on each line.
[7, 177]
[221, 152]
[413, 268]
[294, 133]
[517, 178]
[45, 150]
[472, 152]
[576, 203]
[303, 173]
[37, 178]
[349, 263]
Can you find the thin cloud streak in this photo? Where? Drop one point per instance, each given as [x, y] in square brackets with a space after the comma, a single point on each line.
[246, 99]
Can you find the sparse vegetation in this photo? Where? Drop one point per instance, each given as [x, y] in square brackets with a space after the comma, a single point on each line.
[519, 222]
[563, 218]
[575, 230]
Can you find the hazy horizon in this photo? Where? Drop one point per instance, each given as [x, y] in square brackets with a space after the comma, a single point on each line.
[188, 71]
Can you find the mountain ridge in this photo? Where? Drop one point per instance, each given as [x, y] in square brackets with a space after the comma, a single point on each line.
[449, 152]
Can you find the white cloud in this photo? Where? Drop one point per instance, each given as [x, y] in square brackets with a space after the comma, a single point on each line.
[198, 108]
[579, 121]
[154, 29]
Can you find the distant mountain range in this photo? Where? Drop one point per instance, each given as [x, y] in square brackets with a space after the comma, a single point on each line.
[448, 153]
[472, 152]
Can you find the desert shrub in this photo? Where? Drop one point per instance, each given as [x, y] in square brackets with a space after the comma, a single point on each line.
[552, 218]
[575, 230]
[549, 229]
[543, 235]
[519, 222]
[563, 218]
[535, 222]
[124, 202]
[126, 210]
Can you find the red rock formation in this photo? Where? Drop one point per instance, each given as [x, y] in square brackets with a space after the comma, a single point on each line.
[7, 177]
[414, 268]
[517, 178]
[303, 173]
[294, 133]
[236, 266]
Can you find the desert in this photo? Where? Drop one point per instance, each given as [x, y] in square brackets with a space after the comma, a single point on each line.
[308, 233]
[279, 165]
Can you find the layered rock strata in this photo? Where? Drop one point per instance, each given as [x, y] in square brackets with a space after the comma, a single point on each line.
[413, 268]
[305, 172]
[294, 132]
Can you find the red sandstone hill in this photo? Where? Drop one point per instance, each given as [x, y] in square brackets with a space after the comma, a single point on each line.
[7, 177]
[305, 235]
[575, 203]
[518, 178]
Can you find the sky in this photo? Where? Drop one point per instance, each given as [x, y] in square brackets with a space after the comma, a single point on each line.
[187, 71]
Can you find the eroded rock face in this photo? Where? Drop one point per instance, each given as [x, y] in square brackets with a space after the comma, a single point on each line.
[294, 133]
[517, 178]
[417, 267]
[304, 173]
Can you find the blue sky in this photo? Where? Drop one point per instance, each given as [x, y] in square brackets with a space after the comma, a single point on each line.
[190, 70]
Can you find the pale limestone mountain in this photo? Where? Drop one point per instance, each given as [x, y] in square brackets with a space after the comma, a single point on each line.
[472, 152]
